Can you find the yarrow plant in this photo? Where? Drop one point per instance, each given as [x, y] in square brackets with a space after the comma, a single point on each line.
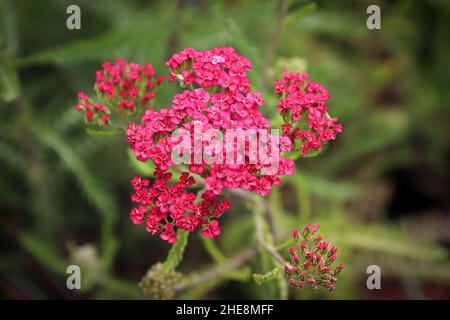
[210, 125]
[311, 261]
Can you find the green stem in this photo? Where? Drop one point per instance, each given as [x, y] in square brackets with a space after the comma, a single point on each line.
[284, 245]
[176, 252]
[263, 237]
[213, 250]
[215, 272]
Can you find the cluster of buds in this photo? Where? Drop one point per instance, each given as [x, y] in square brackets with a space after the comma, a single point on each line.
[160, 284]
[94, 114]
[311, 263]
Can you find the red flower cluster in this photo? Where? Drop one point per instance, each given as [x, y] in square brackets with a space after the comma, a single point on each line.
[232, 106]
[218, 67]
[311, 262]
[303, 108]
[163, 207]
[127, 84]
[218, 102]
[93, 113]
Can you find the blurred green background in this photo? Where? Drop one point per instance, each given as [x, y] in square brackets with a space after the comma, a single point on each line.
[380, 192]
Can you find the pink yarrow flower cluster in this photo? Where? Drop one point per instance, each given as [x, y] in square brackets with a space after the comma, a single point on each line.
[311, 261]
[221, 67]
[217, 100]
[304, 110]
[166, 208]
[232, 106]
[127, 85]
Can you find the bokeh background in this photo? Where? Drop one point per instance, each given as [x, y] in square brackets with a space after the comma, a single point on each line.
[380, 192]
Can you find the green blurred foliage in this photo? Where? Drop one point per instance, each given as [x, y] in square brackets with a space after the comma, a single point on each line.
[380, 192]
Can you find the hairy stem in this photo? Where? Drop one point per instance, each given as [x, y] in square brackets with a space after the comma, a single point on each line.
[261, 239]
[176, 252]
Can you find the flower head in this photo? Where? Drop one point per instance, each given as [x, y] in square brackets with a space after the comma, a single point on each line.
[304, 110]
[217, 101]
[230, 107]
[167, 207]
[127, 85]
[316, 262]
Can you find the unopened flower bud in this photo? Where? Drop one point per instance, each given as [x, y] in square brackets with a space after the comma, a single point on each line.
[306, 232]
[303, 275]
[292, 282]
[304, 246]
[306, 265]
[309, 256]
[315, 228]
[338, 269]
[287, 270]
